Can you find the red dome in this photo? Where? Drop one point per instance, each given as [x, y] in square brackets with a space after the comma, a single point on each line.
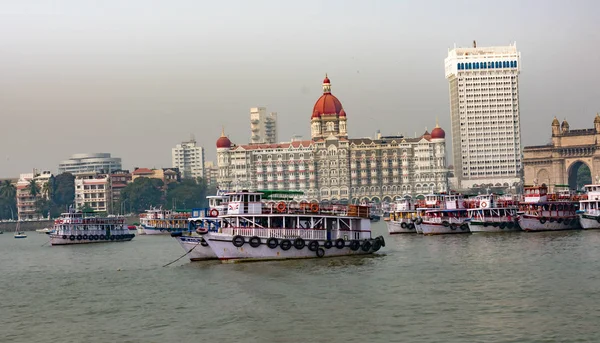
[328, 105]
[223, 142]
[326, 80]
[438, 133]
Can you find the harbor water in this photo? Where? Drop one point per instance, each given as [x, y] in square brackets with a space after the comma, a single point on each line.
[512, 287]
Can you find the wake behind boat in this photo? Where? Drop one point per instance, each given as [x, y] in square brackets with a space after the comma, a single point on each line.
[253, 230]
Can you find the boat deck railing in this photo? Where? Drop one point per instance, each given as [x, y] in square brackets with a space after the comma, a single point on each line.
[307, 234]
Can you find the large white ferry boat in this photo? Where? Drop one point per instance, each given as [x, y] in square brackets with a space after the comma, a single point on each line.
[540, 211]
[448, 216]
[83, 228]
[589, 207]
[493, 213]
[251, 230]
[163, 222]
[194, 243]
[402, 217]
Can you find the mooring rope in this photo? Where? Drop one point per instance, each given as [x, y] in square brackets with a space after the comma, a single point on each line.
[182, 256]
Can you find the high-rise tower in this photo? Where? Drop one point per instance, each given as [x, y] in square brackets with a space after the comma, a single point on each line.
[263, 126]
[484, 108]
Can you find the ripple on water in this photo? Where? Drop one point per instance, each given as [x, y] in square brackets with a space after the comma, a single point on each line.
[517, 287]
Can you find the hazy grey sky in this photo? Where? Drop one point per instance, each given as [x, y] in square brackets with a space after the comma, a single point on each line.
[134, 78]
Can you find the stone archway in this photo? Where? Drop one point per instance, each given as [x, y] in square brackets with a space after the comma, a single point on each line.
[579, 174]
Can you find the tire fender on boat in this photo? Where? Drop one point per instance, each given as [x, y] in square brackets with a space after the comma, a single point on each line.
[238, 241]
[72, 237]
[299, 243]
[542, 220]
[445, 223]
[376, 245]
[313, 245]
[339, 243]
[203, 242]
[320, 252]
[254, 241]
[464, 226]
[354, 245]
[285, 244]
[272, 242]
[328, 244]
[403, 225]
[366, 245]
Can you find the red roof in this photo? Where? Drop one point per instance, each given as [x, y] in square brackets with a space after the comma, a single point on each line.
[327, 104]
[438, 133]
[142, 171]
[223, 142]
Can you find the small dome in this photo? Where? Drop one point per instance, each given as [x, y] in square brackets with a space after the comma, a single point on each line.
[597, 119]
[565, 123]
[223, 141]
[438, 133]
[555, 122]
[326, 79]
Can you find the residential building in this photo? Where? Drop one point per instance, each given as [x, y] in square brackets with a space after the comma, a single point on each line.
[118, 181]
[93, 190]
[189, 159]
[26, 201]
[484, 109]
[167, 175]
[211, 172]
[84, 163]
[263, 126]
[333, 167]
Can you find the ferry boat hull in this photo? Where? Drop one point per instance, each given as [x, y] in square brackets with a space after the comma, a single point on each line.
[64, 239]
[503, 226]
[151, 230]
[397, 227]
[440, 229]
[589, 222]
[533, 223]
[196, 247]
[227, 252]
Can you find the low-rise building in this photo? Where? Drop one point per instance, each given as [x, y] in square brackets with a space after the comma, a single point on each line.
[26, 198]
[167, 175]
[118, 181]
[93, 190]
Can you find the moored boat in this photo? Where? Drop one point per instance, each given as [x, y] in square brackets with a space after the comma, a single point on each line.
[449, 216]
[251, 231]
[540, 211]
[589, 207]
[163, 222]
[83, 228]
[493, 213]
[193, 244]
[402, 217]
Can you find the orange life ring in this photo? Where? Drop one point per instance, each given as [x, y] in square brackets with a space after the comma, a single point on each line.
[483, 204]
[314, 207]
[214, 212]
[281, 207]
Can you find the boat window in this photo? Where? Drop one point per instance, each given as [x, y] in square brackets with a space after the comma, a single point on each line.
[291, 222]
[276, 222]
[304, 222]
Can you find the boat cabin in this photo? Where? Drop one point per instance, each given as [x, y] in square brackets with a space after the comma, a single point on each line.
[244, 202]
[532, 194]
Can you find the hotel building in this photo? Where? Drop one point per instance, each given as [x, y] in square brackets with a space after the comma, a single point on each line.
[189, 159]
[484, 109]
[333, 167]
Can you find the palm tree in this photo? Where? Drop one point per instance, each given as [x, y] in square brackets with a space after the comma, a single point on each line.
[33, 187]
[8, 190]
[48, 188]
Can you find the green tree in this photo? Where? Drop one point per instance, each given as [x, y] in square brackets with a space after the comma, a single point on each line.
[584, 177]
[189, 193]
[86, 209]
[48, 188]
[33, 187]
[142, 194]
[64, 190]
[8, 200]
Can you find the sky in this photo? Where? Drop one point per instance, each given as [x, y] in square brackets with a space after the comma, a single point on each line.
[134, 78]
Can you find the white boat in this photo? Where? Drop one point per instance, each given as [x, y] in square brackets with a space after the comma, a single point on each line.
[449, 216]
[18, 232]
[540, 211]
[589, 207]
[83, 228]
[402, 217]
[251, 230]
[163, 222]
[493, 213]
[44, 230]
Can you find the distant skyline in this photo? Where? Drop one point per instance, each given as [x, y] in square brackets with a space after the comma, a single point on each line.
[145, 75]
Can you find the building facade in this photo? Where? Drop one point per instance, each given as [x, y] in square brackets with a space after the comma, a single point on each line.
[85, 163]
[484, 108]
[189, 159]
[559, 161]
[167, 175]
[333, 167]
[93, 190]
[211, 173]
[26, 199]
[118, 181]
[263, 126]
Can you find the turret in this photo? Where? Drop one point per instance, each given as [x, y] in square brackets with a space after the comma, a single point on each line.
[597, 123]
[564, 126]
[555, 127]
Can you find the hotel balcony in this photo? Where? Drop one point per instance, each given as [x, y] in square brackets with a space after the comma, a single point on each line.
[255, 129]
[254, 121]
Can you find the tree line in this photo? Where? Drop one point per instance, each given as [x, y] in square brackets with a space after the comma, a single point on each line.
[58, 194]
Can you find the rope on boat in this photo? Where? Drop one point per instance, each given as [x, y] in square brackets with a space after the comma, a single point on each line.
[182, 256]
[45, 243]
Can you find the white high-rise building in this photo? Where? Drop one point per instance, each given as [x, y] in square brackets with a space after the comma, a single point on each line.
[263, 126]
[84, 163]
[189, 158]
[484, 108]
